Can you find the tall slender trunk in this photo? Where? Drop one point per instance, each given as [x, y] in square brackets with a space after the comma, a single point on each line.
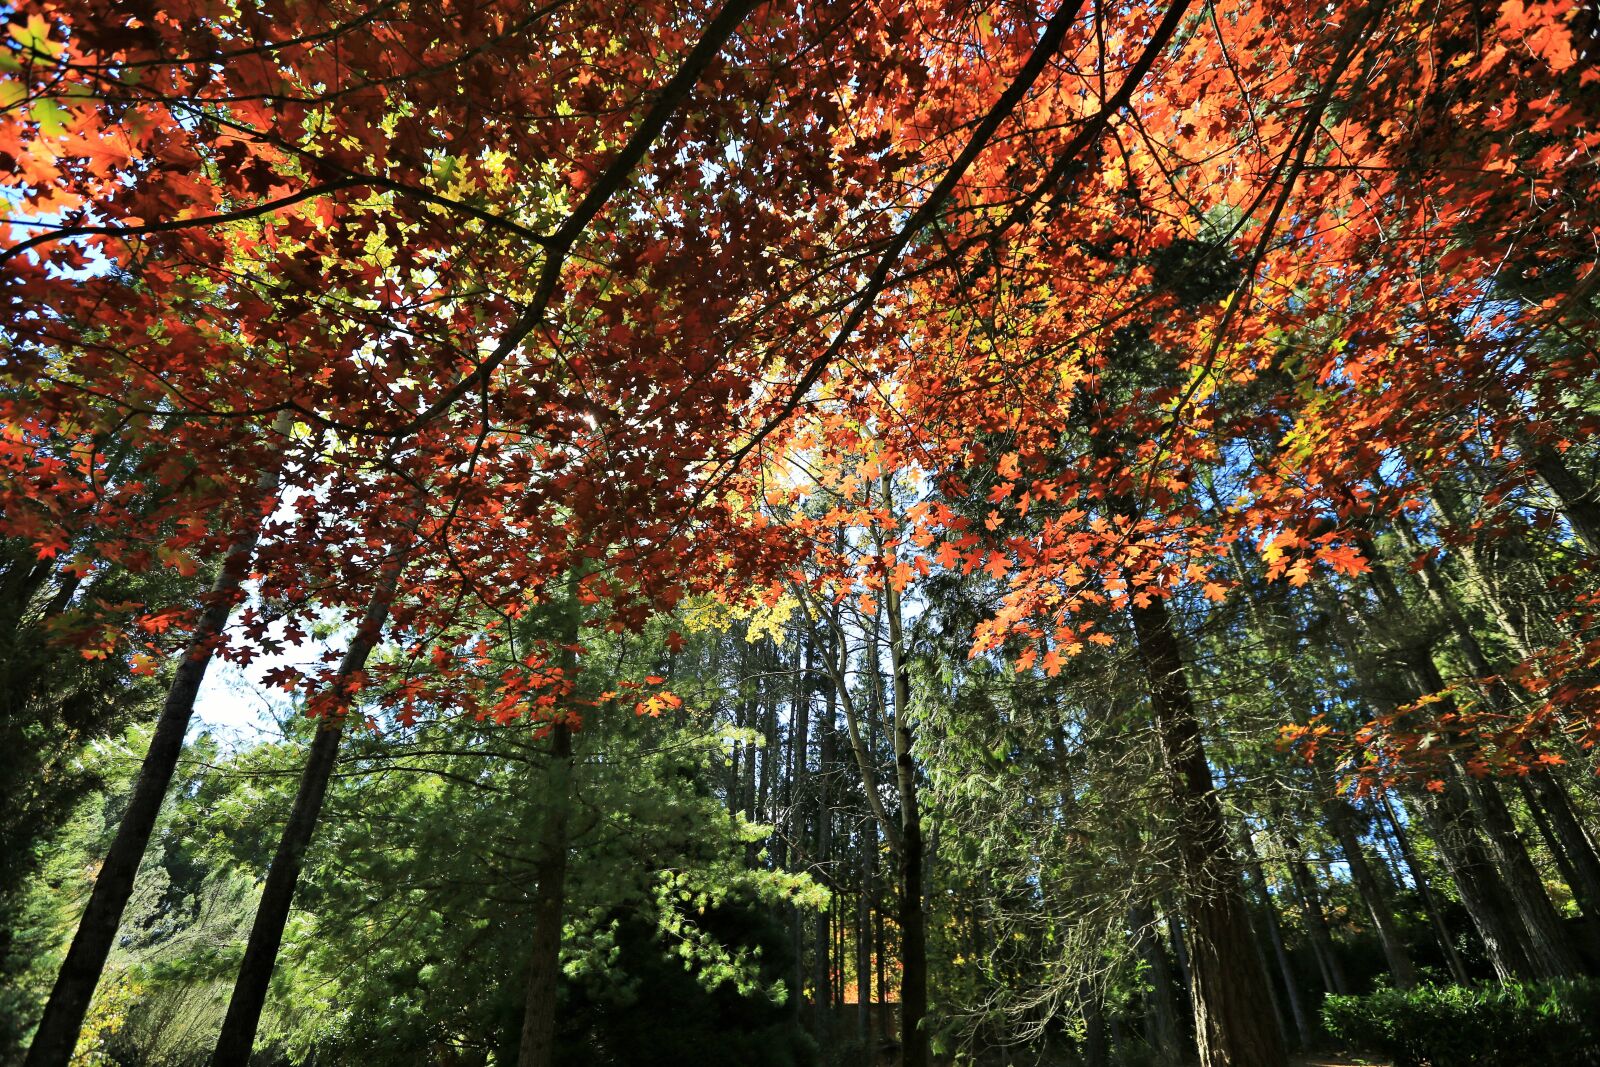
[736, 750]
[880, 958]
[800, 717]
[1291, 984]
[1180, 952]
[1430, 901]
[1161, 1001]
[1281, 624]
[865, 756]
[864, 937]
[1544, 942]
[1578, 500]
[1448, 818]
[1229, 987]
[238, 1035]
[1272, 990]
[822, 971]
[1316, 918]
[913, 931]
[766, 788]
[57, 1035]
[1567, 830]
[1395, 953]
[747, 767]
[1550, 950]
[537, 1046]
[1494, 928]
[841, 952]
[1569, 843]
[1095, 1052]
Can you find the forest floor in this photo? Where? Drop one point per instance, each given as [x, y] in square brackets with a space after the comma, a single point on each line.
[1319, 1060]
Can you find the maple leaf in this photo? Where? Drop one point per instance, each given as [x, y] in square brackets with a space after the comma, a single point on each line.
[1344, 559]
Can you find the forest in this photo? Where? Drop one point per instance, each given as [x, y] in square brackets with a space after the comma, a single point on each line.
[866, 532]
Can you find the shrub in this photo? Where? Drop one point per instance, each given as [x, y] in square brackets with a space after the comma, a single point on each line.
[1546, 1024]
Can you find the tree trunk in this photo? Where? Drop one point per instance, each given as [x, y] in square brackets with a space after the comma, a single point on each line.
[1175, 935]
[1567, 829]
[1394, 948]
[238, 1035]
[1272, 990]
[913, 931]
[1578, 500]
[1316, 919]
[537, 1047]
[1448, 815]
[800, 716]
[1281, 625]
[864, 939]
[1430, 902]
[57, 1035]
[1095, 1052]
[1161, 1002]
[1568, 841]
[1544, 943]
[1291, 985]
[1229, 992]
[822, 972]
[1549, 948]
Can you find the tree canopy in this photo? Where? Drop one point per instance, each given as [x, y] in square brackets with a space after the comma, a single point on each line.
[1081, 517]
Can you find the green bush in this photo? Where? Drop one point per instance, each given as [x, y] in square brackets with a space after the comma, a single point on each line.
[1546, 1024]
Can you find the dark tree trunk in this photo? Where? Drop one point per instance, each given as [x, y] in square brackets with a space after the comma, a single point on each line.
[1316, 918]
[1161, 1002]
[1291, 985]
[841, 952]
[238, 1035]
[864, 936]
[822, 970]
[1549, 949]
[1449, 820]
[1568, 836]
[1569, 844]
[1272, 990]
[1395, 953]
[1578, 499]
[800, 797]
[1175, 935]
[913, 932]
[1095, 1051]
[1543, 944]
[1430, 902]
[537, 1048]
[1229, 989]
[57, 1035]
